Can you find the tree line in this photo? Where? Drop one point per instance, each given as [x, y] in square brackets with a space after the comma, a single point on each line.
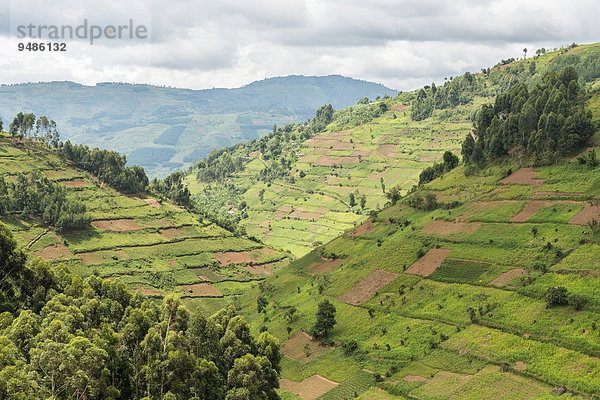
[34, 195]
[108, 166]
[546, 122]
[41, 129]
[65, 337]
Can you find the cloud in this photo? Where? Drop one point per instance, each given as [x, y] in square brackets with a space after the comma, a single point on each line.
[201, 44]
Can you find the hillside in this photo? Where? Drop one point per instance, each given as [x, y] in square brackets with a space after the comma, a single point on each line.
[164, 129]
[487, 289]
[153, 247]
[292, 188]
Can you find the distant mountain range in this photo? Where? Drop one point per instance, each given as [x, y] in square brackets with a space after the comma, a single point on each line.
[164, 129]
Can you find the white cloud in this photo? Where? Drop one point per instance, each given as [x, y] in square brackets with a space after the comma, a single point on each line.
[227, 43]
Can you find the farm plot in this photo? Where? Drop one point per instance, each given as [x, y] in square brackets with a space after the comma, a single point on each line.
[366, 288]
[362, 230]
[590, 211]
[310, 388]
[201, 290]
[323, 266]
[77, 183]
[427, 264]
[524, 176]
[506, 277]
[54, 252]
[449, 228]
[302, 348]
[529, 211]
[117, 225]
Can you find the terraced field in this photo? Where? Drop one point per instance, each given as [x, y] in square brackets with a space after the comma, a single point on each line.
[155, 248]
[464, 312]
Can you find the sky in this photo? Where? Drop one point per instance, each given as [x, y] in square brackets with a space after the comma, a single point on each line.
[229, 43]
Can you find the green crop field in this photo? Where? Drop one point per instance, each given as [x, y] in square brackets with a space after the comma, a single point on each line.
[155, 248]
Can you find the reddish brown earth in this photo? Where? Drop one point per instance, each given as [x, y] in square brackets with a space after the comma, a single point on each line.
[523, 176]
[505, 277]
[529, 210]
[310, 388]
[362, 229]
[117, 225]
[427, 264]
[54, 252]
[447, 228]
[325, 266]
[366, 288]
[589, 211]
[201, 290]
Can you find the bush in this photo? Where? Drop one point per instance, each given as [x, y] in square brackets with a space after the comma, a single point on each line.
[577, 301]
[557, 296]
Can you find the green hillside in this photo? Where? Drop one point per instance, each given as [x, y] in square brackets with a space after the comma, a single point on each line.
[164, 129]
[154, 247]
[292, 188]
[480, 283]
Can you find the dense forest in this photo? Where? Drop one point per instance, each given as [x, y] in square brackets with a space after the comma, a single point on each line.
[64, 337]
[545, 122]
[34, 195]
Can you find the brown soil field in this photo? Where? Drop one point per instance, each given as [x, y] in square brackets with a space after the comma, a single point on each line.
[529, 210]
[388, 150]
[117, 225]
[76, 183]
[201, 290]
[101, 257]
[362, 229]
[586, 215]
[508, 276]
[175, 233]
[262, 269]
[152, 203]
[447, 228]
[310, 388]
[427, 264]
[293, 348]
[328, 161]
[325, 266]
[306, 215]
[55, 252]
[366, 288]
[238, 257]
[554, 194]
[523, 176]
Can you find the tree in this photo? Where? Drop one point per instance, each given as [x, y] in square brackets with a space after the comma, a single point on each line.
[557, 296]
[525, 52]
[352, 200]
[252, 378]
[325, 319]
[382, 184]
[261, 304]
[593, 225]
[363, 201]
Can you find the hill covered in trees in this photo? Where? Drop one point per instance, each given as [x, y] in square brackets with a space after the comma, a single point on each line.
[64, 337]
[172, 127]
[326, 175]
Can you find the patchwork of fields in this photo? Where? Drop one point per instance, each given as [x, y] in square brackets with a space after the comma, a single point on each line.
[155, 248]
[451, 303]
[389, 151]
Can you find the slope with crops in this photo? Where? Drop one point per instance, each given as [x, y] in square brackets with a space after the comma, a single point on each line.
[481, 282]
[305, 184]
[62, 204]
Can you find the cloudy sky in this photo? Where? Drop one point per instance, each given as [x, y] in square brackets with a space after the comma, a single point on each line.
[228, 43]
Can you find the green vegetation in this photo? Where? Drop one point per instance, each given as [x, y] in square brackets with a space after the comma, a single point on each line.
[174, 127]
[64, 337]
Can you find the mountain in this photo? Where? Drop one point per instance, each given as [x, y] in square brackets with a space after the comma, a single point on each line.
[293, 189]
[163, 128]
